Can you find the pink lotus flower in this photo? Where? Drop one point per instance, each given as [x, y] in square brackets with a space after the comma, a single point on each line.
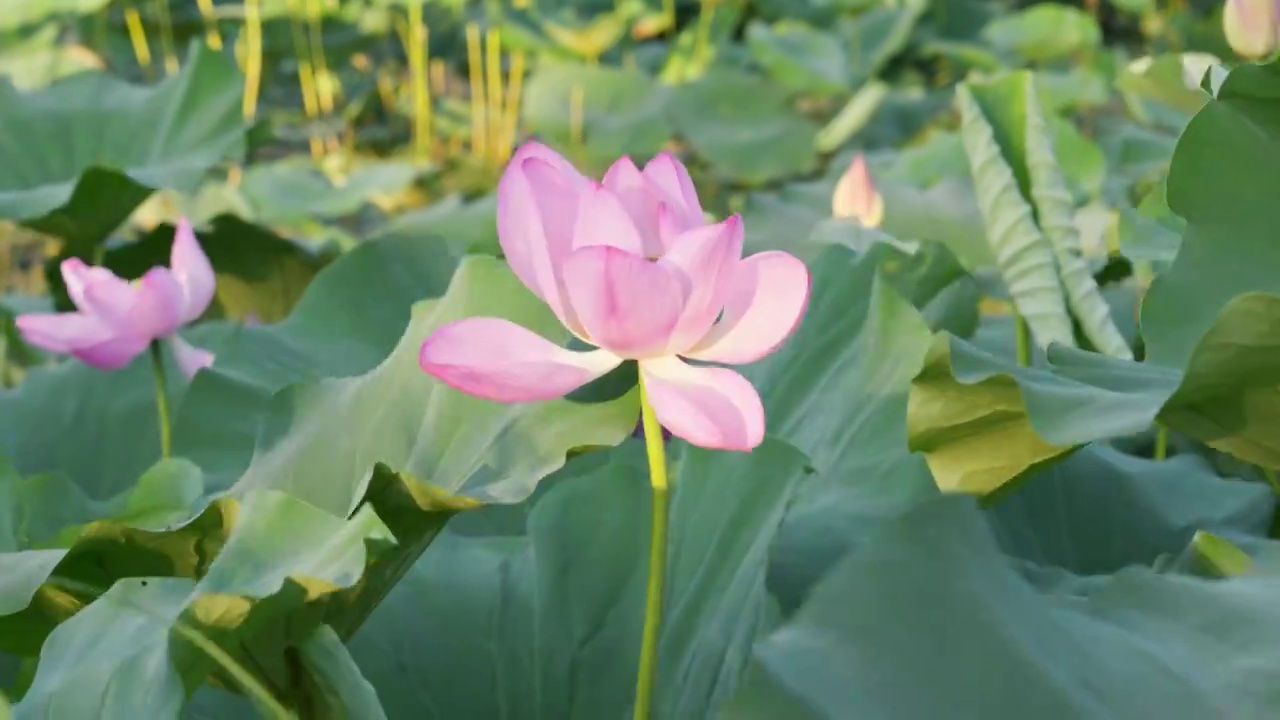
[116, 320]
[856, 197]
[630, 266]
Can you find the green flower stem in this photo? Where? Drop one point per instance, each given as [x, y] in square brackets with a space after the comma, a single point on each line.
[1162, 443]
[162, 398]
[655, 446]
[1024, 340]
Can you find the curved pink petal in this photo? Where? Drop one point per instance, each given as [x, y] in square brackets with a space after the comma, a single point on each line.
[767, 298]
[111, 296]
[670, 176]
[498, 360]
[114, 352]
[537, 208]
[641, 201]
[627, 304]
[710, 407]
[603, 220]
[156, 310]
[191, 268]
[62, 332]
[563, 167]
[190, 358]
[707, 257]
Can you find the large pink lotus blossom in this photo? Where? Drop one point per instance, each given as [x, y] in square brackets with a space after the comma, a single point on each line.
[115, 320]
[630, 266]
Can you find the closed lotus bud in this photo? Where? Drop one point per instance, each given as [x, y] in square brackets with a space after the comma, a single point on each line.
[856, 197]
[1251, 26]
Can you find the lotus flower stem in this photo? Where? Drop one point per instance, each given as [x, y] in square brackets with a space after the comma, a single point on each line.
[324, 87]
[212, 36]
[306, 76]
[475, 68]
[1023, 332]
[166, 37]
[252, 59]
[1162, 443]
[493, 82]
[138, 39]
[511, 116]
[655, 447]
[421, 87]
[162, 398]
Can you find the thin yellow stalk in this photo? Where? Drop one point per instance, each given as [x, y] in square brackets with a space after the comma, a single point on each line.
[306, 76]
[476, 72]
[438, 79]
[417, 50]
[138, 38]
[511, 116]
[493, 79]
[315, 24]
[211, 34]
[327, 90]
[166, 37]
[253, 59]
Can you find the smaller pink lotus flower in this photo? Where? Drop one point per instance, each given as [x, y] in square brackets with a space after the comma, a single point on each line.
[856, 197]
[116, 320]
[629, 265]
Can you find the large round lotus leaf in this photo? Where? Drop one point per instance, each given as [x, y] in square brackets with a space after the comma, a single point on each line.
[745, 128]
[622, 111]
[129, 140]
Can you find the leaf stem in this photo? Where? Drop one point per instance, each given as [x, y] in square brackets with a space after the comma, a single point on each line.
[655, 447]
[1162, 443]
[1023, 333]
[162, 398]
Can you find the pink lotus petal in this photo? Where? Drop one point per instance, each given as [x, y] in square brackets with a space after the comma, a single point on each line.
[713, 408]
[498, 360]
[191, 268]
[707, 257]
[641, 201]
[113, 353]
[627, 304]
[562, 167]
[669, 175]
[156, 307]
[62, 332]
[111, 295]
[856, 197]
[190, 358]
[537, 206]
[603, 220]
[767, 299]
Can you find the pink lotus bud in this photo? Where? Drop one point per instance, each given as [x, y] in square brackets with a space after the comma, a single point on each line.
[856, 197]
[1252, 27]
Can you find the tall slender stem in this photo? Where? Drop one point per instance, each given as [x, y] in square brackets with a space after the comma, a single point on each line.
[655, 446]
[1023, 332]
[1162, 443]
[252, 59]
[162, 398]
